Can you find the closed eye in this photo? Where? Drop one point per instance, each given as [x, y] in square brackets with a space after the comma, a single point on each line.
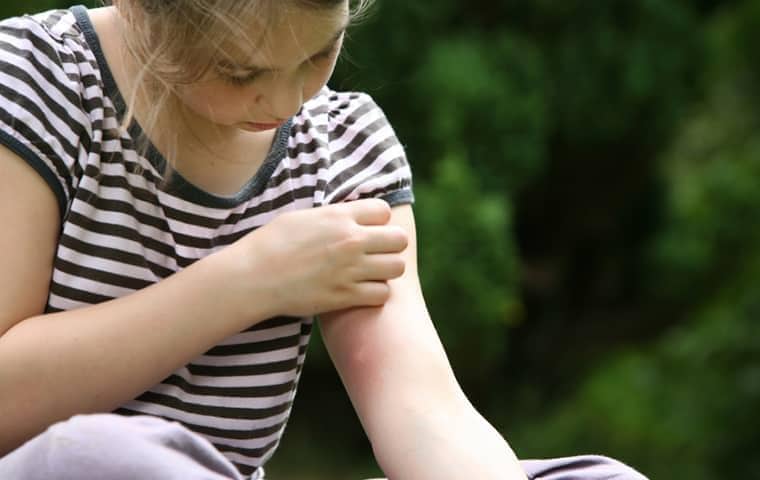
[243, 77]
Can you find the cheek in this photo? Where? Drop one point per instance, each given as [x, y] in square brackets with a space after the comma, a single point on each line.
[209, 98]
[317, 80]
[195, 99]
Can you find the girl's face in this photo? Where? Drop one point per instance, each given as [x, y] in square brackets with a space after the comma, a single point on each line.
[259, 89]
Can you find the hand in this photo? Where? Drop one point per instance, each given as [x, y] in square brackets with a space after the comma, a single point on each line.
[323, 259]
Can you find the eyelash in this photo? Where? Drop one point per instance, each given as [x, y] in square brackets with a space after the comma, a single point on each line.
[252, 77]
[241, 81]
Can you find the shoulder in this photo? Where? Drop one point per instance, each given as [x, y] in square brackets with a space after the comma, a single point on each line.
[364, 156]
[44, 73]
[346, 121]
[44, 60]
[45, 47]
[48, 32]
[335, 112]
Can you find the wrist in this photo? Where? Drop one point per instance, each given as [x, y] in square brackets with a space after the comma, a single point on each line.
[237, 279]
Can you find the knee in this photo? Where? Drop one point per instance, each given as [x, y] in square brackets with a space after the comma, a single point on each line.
[612, 469]
[109, 446]
[78, 448]
[117, 448]
[109, 433]
[587, 467]
[101, 432]
[143, 447]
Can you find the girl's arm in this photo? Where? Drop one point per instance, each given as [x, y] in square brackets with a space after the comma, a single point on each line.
[419, 421]
[91, 359]
[94, 358]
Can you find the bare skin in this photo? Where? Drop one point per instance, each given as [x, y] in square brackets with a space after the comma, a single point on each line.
[354, 263]
[96, 358]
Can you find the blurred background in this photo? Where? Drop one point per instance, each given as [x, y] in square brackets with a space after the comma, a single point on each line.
[587, 175]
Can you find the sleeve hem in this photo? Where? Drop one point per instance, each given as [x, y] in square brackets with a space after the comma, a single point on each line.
[39, 166]
[399, 197]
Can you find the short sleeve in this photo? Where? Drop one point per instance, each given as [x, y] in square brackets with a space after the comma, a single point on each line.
[366, 158]
[38, 106]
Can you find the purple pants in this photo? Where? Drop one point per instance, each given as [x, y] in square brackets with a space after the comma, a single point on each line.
[112, 447]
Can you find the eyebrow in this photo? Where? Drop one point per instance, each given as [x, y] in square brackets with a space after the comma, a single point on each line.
[228, 65]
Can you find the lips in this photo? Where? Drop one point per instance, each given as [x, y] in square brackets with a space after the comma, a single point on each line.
[261, 126]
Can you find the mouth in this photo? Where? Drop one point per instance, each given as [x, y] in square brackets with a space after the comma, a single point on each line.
[260, 127]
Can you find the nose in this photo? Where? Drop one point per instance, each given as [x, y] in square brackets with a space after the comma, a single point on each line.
[283, 97]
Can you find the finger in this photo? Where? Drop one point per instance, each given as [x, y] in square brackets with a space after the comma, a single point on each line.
[370, 211]
[381, 267]
[385, 239]
[372, 294]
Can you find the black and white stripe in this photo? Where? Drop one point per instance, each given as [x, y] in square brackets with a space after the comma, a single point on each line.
[122, 229]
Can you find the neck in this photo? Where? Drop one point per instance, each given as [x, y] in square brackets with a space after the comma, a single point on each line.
[184, 139]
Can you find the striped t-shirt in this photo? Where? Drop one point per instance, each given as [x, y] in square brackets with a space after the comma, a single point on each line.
[124, 229]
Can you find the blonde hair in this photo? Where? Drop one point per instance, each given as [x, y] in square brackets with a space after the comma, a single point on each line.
[177, 42]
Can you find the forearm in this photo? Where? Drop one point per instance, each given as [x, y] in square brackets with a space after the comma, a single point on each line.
[395, 370]
[438, 442]
[419, 421]
[95, 358]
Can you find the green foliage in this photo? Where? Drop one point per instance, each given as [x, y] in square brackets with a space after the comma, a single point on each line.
[689, 397]
[467, 264]
[680, 409]
[489, 103]
[713, 170]
[16, 7]
[714, 199]
[572, 135]
[616, 65]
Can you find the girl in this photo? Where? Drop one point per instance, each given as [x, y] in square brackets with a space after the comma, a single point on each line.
[181, 194]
